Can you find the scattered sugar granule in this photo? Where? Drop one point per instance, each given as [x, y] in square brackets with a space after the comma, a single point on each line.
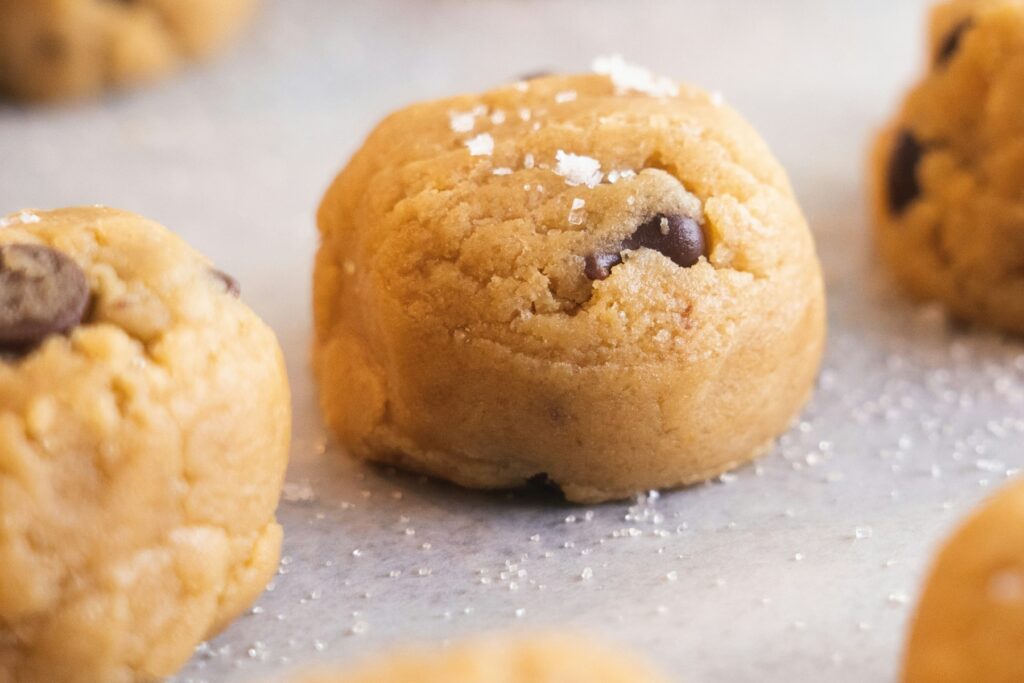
[502, 171]
[525, 114]
[528, 161]
[481, 146]
[578, 170]
[565, 96]
[498, 117]
[629, 77]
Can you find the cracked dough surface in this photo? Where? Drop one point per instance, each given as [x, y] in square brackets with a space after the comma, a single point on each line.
[457, 334]
[54, 49]
[518, 659]
[969, 625]
[141, 459]
[961, 240]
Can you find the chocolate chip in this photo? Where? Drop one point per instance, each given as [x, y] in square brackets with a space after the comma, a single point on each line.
[534, 75]
[230, 284]
[42, 292]
[903, 185]
[599, 266]
[678, 237]
[543, 486]
[952, 42]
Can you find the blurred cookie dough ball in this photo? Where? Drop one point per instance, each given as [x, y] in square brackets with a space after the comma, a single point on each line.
[58, 49]
[969, 624]
[518, 659]
[947, 176]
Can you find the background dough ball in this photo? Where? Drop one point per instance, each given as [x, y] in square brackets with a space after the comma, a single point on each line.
[601, 281]
[53, 49]
[970, 622]
[535, 659]
[947, 179]
[142, 449]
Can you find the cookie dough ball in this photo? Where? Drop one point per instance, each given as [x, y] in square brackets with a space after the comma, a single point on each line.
[970, 624]
[548, 659]
[598, 281]
[54, 49]
[948, 174]
[144, 430]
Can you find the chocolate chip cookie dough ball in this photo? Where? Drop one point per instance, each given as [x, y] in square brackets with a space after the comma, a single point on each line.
[520, 659]
[601, 281]
[54, 49]
[970, 622]
[948, 174]
[144, 428]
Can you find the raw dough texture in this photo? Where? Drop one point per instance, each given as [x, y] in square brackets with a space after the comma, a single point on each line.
[947, 176]
[54, 49]
[473, 319]
[141, 459]
[969, 626]
[534, 659]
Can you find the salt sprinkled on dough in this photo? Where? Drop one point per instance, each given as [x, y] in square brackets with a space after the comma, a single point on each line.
[565, 96]
[616, 176]
[22, 218]
[576, 211]
[578, 170]
[502, 171]
[498, 117]
[465, 121]
[528, 161]
[629, 77]
[481, 146]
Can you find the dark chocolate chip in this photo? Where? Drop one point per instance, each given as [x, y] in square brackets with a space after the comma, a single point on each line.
[542, 485]
[230, 284]
[534, 75]
[42, 292]
[903, 185]
[951, 44]
[676, 236]
[599, 266]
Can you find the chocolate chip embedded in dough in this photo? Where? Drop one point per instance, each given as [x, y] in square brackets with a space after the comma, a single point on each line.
[231, 285]
[677, 236]
[951, 44]
[903, 185]
[42, 292]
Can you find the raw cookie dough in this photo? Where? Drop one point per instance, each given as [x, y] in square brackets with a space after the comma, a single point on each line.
[53, 49]
[947, 176]
[535, 659]
[144, 431]
[601, 282]
[969, 625]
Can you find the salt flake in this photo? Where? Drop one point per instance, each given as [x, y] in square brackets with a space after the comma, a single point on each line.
[578, 170]
[629, 77]
[481, 146]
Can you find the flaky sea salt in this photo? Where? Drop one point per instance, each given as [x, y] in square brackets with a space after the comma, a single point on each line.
[481, 146]
[528, 161]
[616, 176]
[632, 78]
[502, 171]
[578, 170]
[565, 96]
[465, 121]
